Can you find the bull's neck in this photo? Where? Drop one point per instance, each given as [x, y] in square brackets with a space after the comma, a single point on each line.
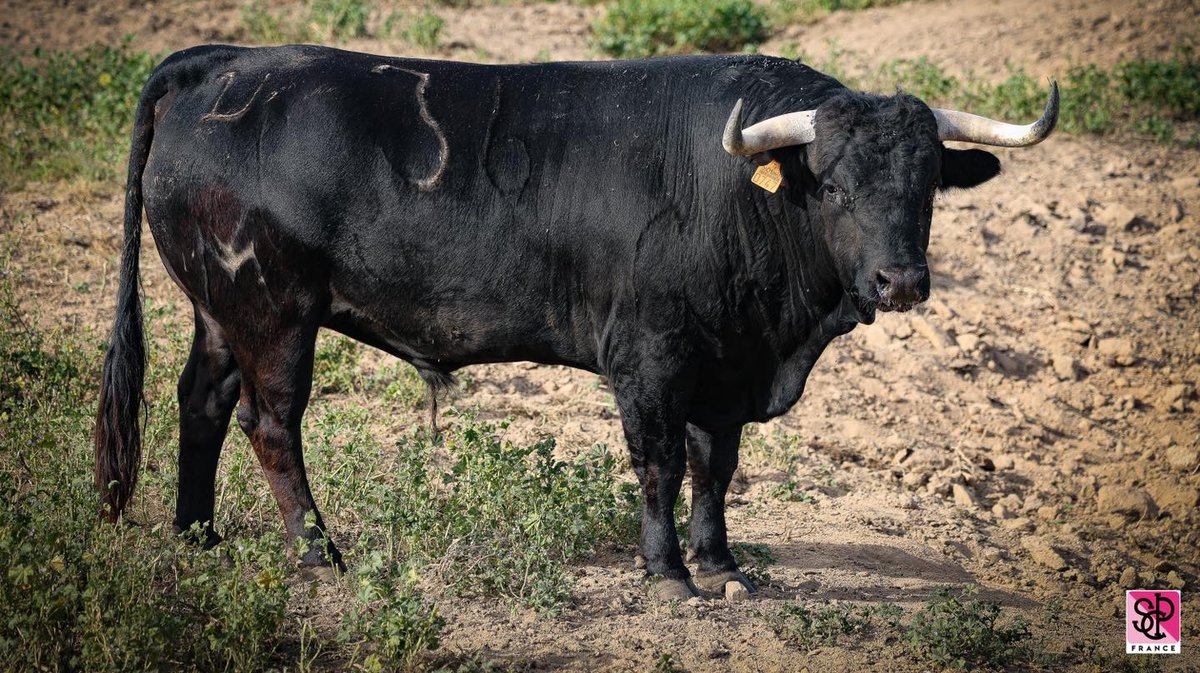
[803, 289]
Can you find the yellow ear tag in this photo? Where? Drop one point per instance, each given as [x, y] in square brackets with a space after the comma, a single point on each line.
[768, 177]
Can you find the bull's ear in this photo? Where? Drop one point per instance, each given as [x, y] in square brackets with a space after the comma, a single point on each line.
[967, 168]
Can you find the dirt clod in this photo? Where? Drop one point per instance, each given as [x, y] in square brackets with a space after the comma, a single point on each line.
[1131, 503]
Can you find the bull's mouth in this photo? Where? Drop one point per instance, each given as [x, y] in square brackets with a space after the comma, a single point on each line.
[867, 306]
[896, 307]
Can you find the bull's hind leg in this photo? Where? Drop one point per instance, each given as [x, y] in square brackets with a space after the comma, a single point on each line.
[208, 391]
[712, 458]
[277, 373]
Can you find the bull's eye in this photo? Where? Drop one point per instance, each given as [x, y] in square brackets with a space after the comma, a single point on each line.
[835, 195]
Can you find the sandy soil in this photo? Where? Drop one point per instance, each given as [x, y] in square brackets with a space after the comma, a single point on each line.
[1032, 428]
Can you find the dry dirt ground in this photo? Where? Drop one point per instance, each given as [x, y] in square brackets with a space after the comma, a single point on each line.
[1032, 429]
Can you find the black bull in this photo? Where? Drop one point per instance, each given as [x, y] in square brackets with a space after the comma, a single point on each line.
[582, 214]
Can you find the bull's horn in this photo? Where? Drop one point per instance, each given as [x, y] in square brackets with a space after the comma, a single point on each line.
[964, 126]
[793, 128]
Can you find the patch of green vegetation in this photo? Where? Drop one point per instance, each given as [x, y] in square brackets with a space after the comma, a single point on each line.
[68, 114]
[793, 491]
[1142, 99]
[640, 28]
[424, 30]
[961, 632]
[388, 629]
[335, 364]
[754, 559]
[502, 519]
[317, 21]
[808, 628]
[667, 663]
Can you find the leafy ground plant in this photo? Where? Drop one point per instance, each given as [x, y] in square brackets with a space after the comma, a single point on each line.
[67, 114]
[808, 627]
[318, 21]
[503, 519]
[638, 28]
[959, 631]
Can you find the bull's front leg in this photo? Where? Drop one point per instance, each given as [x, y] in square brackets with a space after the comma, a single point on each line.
[712, 458]
[654, 430]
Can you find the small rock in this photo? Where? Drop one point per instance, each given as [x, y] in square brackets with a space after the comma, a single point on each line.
[967, 341]
[1003, 461]
[963, 497]
[938, 485]
[1175, 581]
[1117, 351]
[1001, 512]
[736, 591]
[902, 330]
[914, 480]
[1047, 512]
[1174, 498]
[1017, 524]
[1065, 366]
[1044, 554]
[1175, 398]
[1115, 216]
[1128, 579]
[1183, 458]
[1130, 503]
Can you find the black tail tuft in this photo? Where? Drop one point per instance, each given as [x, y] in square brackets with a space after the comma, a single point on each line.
[118, 435]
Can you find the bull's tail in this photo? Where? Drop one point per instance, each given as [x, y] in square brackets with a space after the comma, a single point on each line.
[118, 435]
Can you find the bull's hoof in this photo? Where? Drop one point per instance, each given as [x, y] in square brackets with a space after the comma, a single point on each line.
[325, 574]
[730, 583]
[207, 538]
[666, 589]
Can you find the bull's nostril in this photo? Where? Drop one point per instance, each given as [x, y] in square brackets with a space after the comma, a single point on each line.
[883, 278]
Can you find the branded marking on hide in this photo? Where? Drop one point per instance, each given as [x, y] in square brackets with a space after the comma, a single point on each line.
[505, 159]
[431, 181]
[213, 115]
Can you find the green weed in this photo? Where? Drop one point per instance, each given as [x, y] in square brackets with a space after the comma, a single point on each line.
[335, 364]
[754, 559]
[501, 519]
[390, 625]
[68, 114]
[964, 633]
[424, 30]
[318, 21]
[667, 663]
[793, 491]
[639, 28]
[809, 628]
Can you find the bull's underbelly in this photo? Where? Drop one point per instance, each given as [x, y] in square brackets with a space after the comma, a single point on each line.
[452, 334]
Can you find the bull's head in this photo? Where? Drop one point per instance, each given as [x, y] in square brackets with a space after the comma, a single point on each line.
[867, 170]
